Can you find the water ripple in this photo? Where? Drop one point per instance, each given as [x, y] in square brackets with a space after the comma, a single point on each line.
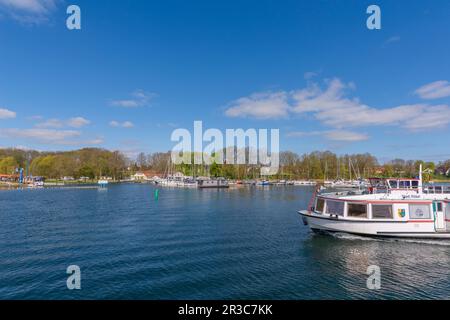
[198, 244]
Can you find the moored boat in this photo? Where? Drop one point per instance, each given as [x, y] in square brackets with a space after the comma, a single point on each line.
[263, 183]
[102, 183]
[389, 208]
[304, 183]
[212, 183]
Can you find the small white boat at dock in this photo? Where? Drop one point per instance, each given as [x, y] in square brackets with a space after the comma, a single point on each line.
[103, 182]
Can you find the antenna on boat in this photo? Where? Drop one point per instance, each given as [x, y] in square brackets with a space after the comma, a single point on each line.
[420, 179]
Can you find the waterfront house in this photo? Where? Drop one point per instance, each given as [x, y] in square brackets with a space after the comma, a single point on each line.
[139, 176]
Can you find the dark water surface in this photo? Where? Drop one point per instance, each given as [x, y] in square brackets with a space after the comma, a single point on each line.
[198, 244]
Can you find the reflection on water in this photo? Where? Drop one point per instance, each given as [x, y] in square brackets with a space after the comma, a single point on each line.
[198, 244]
[410, 269]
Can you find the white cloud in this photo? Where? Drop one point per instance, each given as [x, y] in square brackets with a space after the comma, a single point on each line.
[42, 135]
[333, 135]
[48, 136]
[51, 123]
[434, 90]
[430, 117]
[7, 114]
[260, 106]
[139, 98]
[344, 135]
[332, 106]
[28, 11]
[78, 122]
[125, 124]
[35, 6]
[300, 134]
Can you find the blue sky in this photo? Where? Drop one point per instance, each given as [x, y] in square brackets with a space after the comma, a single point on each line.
[139, 69]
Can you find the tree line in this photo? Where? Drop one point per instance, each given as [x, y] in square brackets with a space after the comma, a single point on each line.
[318, 165]
[89, 162]
[94, 163]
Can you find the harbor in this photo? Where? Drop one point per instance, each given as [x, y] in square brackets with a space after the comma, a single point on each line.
[191, 233]
[224, 159]
[247, 243]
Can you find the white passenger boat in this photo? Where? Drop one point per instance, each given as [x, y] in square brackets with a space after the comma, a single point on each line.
[389, 208]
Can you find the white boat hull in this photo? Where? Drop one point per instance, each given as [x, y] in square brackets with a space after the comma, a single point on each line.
[397, 229]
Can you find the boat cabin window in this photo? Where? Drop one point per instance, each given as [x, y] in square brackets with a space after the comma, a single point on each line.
[320, 203]
[439, 206]
[382, 211]
[447, 211]
[393, 184]
[419, 211]
[438, 189]
[404, 184]
[415, 184]
[335, 207]
[357, 210]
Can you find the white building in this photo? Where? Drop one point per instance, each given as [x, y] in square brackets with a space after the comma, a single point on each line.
[138, 176]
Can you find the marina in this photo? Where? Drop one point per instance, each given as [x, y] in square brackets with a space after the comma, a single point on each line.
[216, 157]
[242, 243]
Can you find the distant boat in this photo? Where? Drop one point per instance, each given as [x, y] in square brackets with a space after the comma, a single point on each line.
[304, 183]
[359, 184]
[36, 182]
[177, 180]
[212, 183]
[263, 183]
[103, 182]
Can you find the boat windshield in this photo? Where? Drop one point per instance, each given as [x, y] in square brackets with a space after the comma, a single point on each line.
[393, 184]
[377, 183]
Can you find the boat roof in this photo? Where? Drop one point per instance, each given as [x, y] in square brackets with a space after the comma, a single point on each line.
[386, 197]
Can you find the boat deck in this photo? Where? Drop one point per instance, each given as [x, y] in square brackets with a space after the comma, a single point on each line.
[386, 196]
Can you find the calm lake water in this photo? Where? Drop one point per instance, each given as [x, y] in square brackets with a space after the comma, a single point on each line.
[198, 244]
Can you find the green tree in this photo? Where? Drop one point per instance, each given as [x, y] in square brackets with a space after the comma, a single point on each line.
[215, 170]
[8, 165]
[86, 171]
